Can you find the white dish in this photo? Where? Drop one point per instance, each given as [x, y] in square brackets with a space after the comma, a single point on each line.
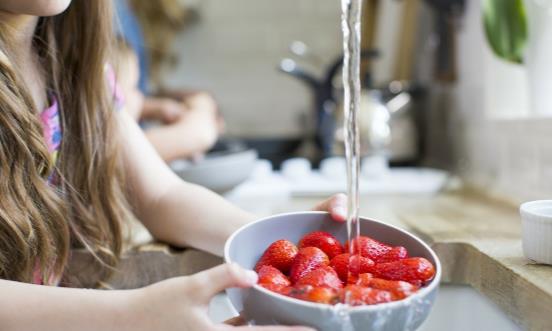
[219, 172]
[537, 230]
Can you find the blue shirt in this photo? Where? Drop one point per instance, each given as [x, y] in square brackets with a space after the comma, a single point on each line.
[128, 28]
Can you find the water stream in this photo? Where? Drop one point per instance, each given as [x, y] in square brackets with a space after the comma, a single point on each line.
[350, 23]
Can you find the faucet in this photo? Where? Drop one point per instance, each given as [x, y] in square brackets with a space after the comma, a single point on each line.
[325, 102]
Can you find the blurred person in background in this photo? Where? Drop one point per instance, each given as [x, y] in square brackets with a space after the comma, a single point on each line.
[188, 121]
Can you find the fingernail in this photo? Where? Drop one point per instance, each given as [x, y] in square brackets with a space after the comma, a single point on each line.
[251, 276]
[340, 210]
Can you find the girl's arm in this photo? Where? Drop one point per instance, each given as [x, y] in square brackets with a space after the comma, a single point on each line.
[172, 305]
[33, 307]
[174, 211]
[180, 213]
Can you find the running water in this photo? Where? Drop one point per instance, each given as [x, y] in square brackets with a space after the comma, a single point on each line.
[350, 23]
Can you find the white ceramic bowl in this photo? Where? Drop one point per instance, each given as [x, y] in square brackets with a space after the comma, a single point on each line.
[537, 230]
[260, 306]
[220, 171]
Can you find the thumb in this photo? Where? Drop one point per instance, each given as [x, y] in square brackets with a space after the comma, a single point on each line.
[336, 206]
[212, 281]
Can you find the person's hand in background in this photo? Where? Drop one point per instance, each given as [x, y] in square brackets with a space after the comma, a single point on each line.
[190, 125]
[164, 110]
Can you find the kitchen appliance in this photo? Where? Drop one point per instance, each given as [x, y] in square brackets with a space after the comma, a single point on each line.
[402, 101]
[324, 95]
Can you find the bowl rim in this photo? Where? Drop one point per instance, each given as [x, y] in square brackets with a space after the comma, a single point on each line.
[250, 155]
[529, 209]
[416, 296]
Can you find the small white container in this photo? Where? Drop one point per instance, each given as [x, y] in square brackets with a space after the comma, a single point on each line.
[537, 230]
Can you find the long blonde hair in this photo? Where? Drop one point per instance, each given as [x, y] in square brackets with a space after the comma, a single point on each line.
[39, 223]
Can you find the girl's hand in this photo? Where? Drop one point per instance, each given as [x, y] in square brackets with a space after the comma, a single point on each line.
[336, 206]
[181, 303]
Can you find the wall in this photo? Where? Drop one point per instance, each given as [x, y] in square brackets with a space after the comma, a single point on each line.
[497, 144]
[235, 49]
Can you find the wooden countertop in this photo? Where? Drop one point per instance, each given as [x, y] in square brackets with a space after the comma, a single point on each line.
[478, 240]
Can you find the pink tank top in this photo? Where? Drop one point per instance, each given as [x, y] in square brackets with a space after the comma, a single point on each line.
[53, 134]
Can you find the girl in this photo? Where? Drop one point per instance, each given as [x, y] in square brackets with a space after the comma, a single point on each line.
[72, 168]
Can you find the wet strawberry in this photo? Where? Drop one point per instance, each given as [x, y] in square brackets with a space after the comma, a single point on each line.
[399, 289]
[323, 240]
[271, 275]
[323, 295]
[313, 294]
[369, 247]
[356, 295]
[275, 288]
[341, 265]
[415, 270]
[280, 255]
[308, 259]
[364, 279]
[395, 254]
[323, 276]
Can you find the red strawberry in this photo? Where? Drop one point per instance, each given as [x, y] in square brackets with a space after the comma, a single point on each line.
[356, 295]
[280, 255]
[341, 265]
[308, 259]
[321, 277]
[275, 288]
[323, 295]
[364, 279]
[323, 240]
[271, 275]
[287, 291]
[414, 270]
[397, 253]
[399, 289]
[369, 247]
[313, 294]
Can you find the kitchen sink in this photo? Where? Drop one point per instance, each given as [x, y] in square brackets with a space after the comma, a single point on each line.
[461, 308]
[458, 308]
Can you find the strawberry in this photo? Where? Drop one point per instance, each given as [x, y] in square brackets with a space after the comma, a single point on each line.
[415, 270]
[341, 265]
[308, 259]
[323, 295]
[275, 288]
[280, 255]
[364, 279]
[369, 247]
[313, 294]
[271, 275]
[356, 295]
[399, 289]
[396, 253]
[321, 277]
[323, 240]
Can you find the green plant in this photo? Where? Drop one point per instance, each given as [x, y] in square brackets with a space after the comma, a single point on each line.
[506, 28]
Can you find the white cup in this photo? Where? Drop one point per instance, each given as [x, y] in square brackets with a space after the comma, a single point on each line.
[537, 230]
